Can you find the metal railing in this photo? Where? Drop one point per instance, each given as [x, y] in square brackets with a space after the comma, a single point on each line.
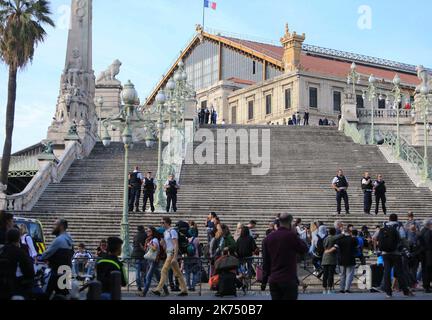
[350, 130]
[23, 166]
[407, 152]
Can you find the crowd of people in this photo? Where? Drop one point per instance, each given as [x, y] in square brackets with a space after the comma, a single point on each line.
[172, 255]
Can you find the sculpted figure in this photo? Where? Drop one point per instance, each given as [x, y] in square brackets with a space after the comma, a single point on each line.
[111, 73]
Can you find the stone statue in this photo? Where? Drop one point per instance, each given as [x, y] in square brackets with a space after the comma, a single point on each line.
[423, 75]
[74, 69]
[111, 73]
[48, 148]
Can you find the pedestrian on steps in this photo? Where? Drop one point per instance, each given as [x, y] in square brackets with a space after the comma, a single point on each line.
[149, 191]
[171, 187]
[380, 194]
[367, 187]
[340, 185]
[135, 184]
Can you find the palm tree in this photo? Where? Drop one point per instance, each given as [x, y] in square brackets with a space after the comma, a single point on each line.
[21, 30]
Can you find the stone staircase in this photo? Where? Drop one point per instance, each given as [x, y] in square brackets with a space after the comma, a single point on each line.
[303, 162]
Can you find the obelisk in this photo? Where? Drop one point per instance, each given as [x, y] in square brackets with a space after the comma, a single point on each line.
[75, 105]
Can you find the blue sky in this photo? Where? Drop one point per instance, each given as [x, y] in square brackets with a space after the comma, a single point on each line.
[146, 35]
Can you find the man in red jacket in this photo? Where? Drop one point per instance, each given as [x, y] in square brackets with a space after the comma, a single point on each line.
[281, 249]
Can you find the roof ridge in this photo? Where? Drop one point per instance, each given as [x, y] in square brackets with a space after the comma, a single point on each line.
[327, 52]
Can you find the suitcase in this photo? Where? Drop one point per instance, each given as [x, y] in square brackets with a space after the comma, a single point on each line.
[227, 284]
[377, 275]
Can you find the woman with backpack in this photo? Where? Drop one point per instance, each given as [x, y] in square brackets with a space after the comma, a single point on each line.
[192, 265]
[317, 249]
[155, 254]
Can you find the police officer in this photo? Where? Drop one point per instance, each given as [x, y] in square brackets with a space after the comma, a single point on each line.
[149, 190]
[135, 183]
[380, 194]
[171, 186]
[367, 187]
[340, 185]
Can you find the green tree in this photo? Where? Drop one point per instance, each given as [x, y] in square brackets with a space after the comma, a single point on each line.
[21, 30]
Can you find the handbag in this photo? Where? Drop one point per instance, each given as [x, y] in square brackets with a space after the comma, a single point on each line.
[151, 255]
[214, 282]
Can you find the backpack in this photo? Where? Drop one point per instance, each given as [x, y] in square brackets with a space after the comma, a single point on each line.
[6, 279]
[183, 244]
[388, 239]
[319, 249]
[191, 250]
[162, 254]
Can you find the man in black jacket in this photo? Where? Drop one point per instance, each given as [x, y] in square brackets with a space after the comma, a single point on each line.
[16, 268]
[135, 184]
[109, 264]
[380, 194]
[171, 187]
[6, 223]
[138, 255]
[340, 185]
[149, 191]
[367, 187]
[425, 242]
[347, 246]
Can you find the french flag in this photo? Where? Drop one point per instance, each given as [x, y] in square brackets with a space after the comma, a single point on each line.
[210, 4]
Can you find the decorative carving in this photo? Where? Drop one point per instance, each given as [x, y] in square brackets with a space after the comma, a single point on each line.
[74, 69]
[80, 9]
[111, 73]
[48, 148]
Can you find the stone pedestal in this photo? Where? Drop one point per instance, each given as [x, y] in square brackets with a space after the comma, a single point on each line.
[349, 112]
[419, 136]
[110, 91]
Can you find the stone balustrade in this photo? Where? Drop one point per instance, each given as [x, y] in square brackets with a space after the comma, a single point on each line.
[49, 172]
[385, 115]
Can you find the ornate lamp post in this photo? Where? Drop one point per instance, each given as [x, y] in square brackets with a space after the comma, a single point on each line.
[371, 92]
[397, 99]
[126, 121]
[353, 78]
[422, 105]
[100, 101]
[160, 200]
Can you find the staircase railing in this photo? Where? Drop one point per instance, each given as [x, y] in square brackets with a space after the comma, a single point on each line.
[48, 173]
[407, 152]
[350, 130]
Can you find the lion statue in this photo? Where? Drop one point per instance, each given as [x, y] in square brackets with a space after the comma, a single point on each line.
[111, 73]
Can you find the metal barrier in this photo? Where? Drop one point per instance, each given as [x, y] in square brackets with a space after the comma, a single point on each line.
[249, 273]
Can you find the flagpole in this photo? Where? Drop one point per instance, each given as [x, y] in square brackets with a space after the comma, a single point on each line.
[203, 15]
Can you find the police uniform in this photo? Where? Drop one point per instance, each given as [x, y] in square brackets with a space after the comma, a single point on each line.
[367, 187]
[380, 195]
[135, 182]
[342, 184]
[149, 190]
[171, 192]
